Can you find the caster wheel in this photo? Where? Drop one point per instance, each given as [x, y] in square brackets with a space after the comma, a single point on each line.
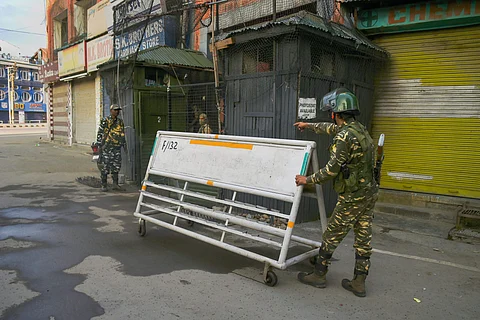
[271, 279]
[142, 227]
[190, 223]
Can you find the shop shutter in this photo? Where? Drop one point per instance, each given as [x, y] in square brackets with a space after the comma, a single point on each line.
[84, 130]
[60, 116]
[427, 102]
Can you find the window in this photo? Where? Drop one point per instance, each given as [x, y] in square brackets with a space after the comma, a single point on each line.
[37, 97]
[3, 73]
[80, 17]
[15, 96]
[25, 88]
[258, 60]
[3, 95]
[25, 75]
[60, 30]
[26, 96]
[3, 85]
[35, 76]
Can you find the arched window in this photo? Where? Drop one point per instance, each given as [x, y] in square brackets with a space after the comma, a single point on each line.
[26, 96]
[38, 97]
[3, 95]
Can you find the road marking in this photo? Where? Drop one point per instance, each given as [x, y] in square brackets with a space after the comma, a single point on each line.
[445, 263]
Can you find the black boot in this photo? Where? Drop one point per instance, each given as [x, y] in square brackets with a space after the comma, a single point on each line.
[103, 177]
[317, 278]
[115, 186]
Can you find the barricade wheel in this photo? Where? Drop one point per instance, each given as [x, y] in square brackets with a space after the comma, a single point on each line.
[142, 227]
[271, 279]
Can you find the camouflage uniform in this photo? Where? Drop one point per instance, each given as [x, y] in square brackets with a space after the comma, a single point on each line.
[352, 157]
[205, 128]
[111, 137]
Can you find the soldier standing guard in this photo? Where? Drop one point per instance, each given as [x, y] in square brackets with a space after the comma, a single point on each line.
[111, 139]
[351, 165]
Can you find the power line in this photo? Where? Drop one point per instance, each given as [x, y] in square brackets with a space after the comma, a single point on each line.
[25, 32]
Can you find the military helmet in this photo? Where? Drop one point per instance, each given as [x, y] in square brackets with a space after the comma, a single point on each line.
[340, 100]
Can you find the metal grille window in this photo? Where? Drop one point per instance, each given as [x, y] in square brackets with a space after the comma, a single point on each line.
[26, 97]
[322, 62]
[35, 76]
[15, 96]
[38, 97]
[3, 95]
[3, 73]
[257, 60]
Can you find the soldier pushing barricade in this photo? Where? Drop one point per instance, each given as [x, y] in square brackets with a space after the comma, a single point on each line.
[111, 139]
[351, 165]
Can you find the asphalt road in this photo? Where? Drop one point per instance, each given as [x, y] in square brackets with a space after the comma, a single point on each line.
[68, 251]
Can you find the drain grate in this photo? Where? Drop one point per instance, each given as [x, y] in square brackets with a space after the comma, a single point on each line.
[470, 213]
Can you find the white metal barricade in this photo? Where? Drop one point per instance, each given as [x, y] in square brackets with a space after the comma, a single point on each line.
[238, 165]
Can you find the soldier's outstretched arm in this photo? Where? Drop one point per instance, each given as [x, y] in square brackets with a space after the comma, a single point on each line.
[320, 127]
[338, 156]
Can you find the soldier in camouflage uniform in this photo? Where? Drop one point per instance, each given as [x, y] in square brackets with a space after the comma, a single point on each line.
[351, 165]
[204, 126]
[111, 139]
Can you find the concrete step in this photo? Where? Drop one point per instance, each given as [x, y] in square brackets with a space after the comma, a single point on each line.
[448, 214]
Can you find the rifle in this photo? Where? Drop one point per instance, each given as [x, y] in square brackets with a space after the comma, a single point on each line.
[380, 157]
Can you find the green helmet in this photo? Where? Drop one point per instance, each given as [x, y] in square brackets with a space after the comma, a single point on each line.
[340, 100]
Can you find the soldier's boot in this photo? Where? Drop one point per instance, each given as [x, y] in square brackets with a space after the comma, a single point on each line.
[115, 186]
[317, 278]
[104, 182]
[357, 284]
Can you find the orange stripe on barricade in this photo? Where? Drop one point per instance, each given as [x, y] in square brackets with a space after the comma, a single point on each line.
[222, 144]
[210, 182]
[144, 187]
[290, 224]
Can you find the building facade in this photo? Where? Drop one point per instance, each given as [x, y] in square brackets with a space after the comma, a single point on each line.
[22, 98]
[427, 97]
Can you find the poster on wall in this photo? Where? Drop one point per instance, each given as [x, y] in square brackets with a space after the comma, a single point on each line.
[307, 108]
[99, 19]
[99, 51]
[72, 60]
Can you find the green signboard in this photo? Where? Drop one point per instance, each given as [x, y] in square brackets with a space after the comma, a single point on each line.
[420, 16]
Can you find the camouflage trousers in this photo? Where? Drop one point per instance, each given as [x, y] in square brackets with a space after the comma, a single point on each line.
[351, 212]
[110, 161]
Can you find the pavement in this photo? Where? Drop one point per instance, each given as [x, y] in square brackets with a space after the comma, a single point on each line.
[68, 251]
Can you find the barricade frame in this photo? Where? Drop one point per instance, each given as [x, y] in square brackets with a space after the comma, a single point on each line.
[178, 208]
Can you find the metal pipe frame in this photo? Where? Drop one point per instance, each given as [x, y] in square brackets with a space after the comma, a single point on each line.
[226, 202]
[287, 235]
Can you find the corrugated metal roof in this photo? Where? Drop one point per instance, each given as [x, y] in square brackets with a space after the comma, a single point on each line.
[313, 21]
[176, 57]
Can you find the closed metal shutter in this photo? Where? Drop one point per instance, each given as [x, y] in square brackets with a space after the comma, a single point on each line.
[84, 130]
[60, 116]
[427, 102]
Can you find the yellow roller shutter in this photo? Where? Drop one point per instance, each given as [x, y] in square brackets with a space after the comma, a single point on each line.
[84, 130]
[427, 102]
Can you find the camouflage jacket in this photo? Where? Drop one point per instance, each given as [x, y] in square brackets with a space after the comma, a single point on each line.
[111, 133]
[350, 164]
[205, 129]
